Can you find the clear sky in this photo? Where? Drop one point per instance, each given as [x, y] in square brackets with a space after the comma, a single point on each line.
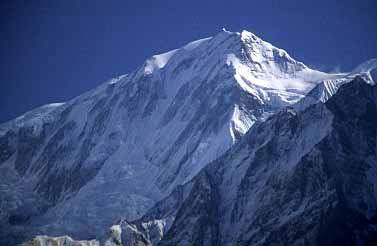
[52, 51]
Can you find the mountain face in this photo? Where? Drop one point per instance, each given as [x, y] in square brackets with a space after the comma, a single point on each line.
[299, 178]
[76, 167]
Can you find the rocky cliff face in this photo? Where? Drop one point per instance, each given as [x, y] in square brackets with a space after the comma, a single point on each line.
[59, 241]
[300, 178]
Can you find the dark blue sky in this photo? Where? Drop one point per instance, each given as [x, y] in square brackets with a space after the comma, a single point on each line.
[52, 51]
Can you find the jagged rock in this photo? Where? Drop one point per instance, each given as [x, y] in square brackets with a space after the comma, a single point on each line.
[60, 241]
[115, 237]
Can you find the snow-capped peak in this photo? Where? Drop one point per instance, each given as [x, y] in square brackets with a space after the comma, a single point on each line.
[261, 69]
[261, 51]
[270, 73]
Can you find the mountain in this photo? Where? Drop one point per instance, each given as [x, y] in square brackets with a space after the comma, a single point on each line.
[76, 167]
[299, 178]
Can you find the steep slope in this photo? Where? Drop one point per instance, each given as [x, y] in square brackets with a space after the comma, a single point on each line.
[329, 86]
[300, 178]
[73, 168]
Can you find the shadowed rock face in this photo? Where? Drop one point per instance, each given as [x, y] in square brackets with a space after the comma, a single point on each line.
[203, 199]
[300, 178]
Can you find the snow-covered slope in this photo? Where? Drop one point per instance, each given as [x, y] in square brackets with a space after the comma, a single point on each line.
[74, 168]
[329, 86]
[299, 178]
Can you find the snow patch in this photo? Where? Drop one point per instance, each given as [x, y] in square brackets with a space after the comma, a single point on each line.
[158, 61]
